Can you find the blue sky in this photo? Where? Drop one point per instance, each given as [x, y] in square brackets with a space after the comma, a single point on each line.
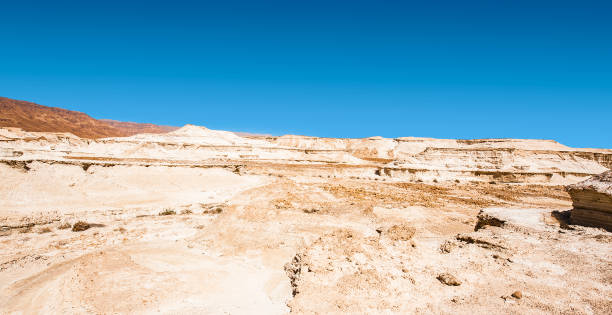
[445, 69]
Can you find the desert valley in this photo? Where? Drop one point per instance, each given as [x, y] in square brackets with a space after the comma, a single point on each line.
[107, 217]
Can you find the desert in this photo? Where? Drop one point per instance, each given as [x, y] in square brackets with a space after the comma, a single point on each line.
[192, 220]
[305, 157]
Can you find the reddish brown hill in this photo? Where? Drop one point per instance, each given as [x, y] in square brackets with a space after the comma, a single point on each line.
[33, 117]
[133, 128]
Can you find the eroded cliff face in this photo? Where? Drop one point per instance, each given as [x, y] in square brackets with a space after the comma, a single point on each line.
[592, 200]
[375, 158]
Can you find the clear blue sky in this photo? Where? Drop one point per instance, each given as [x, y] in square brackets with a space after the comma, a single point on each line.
[446, 69]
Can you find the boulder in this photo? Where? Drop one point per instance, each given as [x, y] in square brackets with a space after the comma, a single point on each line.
[592, 200]
[448, 279]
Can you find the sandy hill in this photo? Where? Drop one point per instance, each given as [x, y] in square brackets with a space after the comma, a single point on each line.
[34, 117]
[195, 135]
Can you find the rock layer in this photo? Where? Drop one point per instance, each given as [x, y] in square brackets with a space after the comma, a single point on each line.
[375, 158]
[592, 201]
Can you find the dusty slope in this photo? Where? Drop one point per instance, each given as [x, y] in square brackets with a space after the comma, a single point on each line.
[33, 117]
[194, 135]
[132, 128]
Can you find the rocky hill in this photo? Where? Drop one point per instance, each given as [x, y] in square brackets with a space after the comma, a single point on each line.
[132, 128]
[34, 117]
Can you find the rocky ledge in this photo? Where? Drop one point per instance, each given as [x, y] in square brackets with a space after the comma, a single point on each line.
[592, 201]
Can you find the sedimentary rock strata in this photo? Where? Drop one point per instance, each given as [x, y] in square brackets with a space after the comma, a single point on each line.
[592, 200]
[376, 158]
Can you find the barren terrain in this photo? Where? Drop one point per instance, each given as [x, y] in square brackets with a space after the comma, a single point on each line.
[34, 117]
[205, 221]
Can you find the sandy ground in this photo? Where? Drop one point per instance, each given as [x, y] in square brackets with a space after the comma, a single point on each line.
[200, 221]
[245, 244]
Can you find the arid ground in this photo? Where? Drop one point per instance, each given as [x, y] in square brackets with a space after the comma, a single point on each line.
[204, 221]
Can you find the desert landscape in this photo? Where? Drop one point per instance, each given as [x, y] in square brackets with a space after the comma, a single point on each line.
[104, 217]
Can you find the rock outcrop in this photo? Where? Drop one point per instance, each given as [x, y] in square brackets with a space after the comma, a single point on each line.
[592, 200]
